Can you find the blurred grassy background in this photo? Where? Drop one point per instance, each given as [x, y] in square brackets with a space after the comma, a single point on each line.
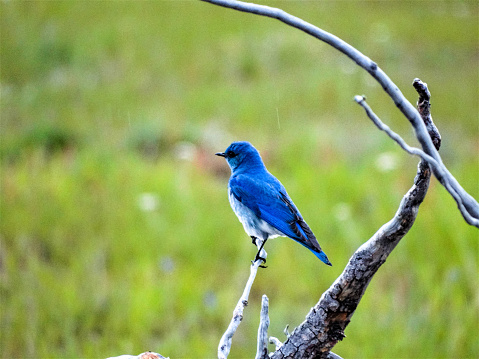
[116, 232]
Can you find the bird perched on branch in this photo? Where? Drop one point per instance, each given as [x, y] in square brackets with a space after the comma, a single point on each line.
[261, 202]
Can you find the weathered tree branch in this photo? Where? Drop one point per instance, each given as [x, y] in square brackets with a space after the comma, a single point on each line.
[325, 324]
[466, 203]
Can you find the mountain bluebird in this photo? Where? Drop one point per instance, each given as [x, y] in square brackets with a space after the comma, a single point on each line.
[261, 202]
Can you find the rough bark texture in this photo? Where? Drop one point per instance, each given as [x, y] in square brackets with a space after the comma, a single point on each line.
[424, 106]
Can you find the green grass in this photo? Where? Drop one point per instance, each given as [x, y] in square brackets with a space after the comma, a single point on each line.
[115, 229]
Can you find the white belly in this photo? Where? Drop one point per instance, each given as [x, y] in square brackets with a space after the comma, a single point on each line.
[253, 225]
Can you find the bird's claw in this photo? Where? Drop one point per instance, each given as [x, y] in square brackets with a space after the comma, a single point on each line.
[253, 240]
[261, 259]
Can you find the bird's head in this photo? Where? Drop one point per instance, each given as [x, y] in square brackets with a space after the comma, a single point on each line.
[242, 156]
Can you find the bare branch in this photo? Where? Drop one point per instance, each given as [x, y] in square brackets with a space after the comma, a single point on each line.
[467, 204]
[325, 324]
[226, 340]
[262, 351]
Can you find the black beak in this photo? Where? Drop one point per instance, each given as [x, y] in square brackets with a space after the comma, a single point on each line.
[222, 154]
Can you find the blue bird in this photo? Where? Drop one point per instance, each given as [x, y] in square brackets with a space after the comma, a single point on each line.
[261, 202]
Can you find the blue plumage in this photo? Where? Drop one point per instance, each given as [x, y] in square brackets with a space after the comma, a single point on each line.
[261, 202]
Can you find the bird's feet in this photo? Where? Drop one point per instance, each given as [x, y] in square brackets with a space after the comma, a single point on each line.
[261, 266]
[259, 258]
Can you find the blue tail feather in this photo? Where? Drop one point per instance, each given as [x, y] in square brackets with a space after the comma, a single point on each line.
[323, 257]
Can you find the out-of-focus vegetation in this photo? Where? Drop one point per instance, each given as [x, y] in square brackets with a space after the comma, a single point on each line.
[115, 229]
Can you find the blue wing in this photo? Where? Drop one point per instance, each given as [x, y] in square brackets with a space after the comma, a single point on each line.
[268, 199]
[263, 198]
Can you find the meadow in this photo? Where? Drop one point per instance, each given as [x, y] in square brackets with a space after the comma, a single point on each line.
[116, 235]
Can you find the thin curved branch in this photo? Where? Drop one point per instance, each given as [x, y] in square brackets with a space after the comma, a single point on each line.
[466, 203]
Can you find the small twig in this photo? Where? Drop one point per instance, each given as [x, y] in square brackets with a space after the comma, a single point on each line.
[361, 100]
[224, 346]
[262, 350]
[277, 343]
[418, 152]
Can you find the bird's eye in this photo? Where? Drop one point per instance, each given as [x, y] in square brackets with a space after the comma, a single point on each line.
[231, 154]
